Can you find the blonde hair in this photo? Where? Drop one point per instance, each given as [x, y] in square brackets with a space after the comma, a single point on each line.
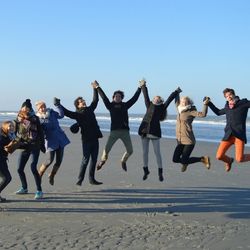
[39, 104]
[188, 100]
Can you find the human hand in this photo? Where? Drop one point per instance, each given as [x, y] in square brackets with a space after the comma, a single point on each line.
[95, 84]
[142, 82]
[57, 101]
[178, 90]
[206, 100]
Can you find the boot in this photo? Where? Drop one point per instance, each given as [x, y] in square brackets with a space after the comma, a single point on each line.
[52, 174]
[146, 173]
[160, 170]
[42, 170]
[206, 161]
[92, 179]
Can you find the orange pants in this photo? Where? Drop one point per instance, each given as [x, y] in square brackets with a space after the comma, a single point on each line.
[239, 150]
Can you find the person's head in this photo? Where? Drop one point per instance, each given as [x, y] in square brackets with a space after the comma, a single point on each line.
[7, 127]
[41, 107]
[157, 100]
[229, 94]
[79, 103]
[26, 106]
[118, 96]
[185, 101]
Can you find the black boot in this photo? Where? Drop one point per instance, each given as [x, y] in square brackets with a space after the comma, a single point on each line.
[92, 179]
[160, 170]
[146, 173]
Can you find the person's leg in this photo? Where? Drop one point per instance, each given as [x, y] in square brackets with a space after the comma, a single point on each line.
[93, 159]
[157, 150]
[47, 163]
[221, 152]
[126, 139]
[4, 174]
[59, 156]
[84, 162]
[34, 160]
[145, 149]
[22, 160]
[178, 153]
[239, 151]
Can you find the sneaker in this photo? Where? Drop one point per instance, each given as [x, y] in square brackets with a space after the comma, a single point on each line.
[206, 161]
[100, 164]
[95, 182]
[79, 183]
[124, 166]
[184, 167]
[228, 166]
[22, 191]
[38, 195]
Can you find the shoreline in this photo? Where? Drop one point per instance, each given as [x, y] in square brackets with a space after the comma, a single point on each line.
[200, 208]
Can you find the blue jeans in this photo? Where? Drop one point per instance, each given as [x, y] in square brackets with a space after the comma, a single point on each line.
[22, 160]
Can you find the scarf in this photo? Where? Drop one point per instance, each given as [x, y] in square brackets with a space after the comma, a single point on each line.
[183, 108]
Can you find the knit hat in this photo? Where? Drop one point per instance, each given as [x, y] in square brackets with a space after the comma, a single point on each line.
[27, 104]
[39, 104]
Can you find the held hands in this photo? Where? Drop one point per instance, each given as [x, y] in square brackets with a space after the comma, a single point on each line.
[95, 84]
[206, 100]
[142, 82]
[178, 90]
[57, 102]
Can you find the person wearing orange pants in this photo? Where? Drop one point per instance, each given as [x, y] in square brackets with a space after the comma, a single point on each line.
[236, 110]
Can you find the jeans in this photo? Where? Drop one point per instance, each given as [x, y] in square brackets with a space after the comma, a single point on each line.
[4, 174]
[59, 157]
[22, 160]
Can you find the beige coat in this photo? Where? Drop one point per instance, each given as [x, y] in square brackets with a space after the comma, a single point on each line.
[184, 130]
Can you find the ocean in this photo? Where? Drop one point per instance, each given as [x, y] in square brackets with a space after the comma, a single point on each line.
[210, 128]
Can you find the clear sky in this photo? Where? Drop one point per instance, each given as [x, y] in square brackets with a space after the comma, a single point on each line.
[56, 48]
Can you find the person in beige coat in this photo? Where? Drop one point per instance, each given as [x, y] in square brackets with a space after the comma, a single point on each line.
[186, 112]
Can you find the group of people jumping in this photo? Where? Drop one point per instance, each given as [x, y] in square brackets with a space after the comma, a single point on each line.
[35, 131]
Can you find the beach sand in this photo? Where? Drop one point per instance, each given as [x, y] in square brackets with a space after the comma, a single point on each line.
[197, 209]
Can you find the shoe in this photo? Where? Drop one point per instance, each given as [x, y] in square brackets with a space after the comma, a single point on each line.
[206, 161]
[22, 191]
[51, 179]
[124, 166]
[79, 183]
[184, 167]
[160, 174]
[228, 166]
[146, 173]
[100, 164]
[2, 199]
[38, 195]
[95, 182]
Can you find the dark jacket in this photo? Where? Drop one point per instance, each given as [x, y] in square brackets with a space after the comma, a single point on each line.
[235, 118]
[30, 132]
[86, 119]
[154, 115]
[119, 111]
[4, 141]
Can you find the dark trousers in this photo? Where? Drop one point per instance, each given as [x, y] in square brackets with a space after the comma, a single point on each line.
[4, 174]
[90, 151]
[182, 154]
[22, 160]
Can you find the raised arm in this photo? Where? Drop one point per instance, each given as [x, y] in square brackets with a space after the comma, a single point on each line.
[95, 100]
[145, 92]
[134, 98]
[70, 114]
[171, 97]
[214, 108]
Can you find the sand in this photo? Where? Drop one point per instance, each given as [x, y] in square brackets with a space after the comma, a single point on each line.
[197, 209]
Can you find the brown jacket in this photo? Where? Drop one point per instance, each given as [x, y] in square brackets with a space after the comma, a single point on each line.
[184, 130]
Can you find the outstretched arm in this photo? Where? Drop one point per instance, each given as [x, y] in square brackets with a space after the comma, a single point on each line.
[70, 114]
[105, 99]
[135, 97]
[145, 92]
[172, 96]
[213, 107]
[95, 100]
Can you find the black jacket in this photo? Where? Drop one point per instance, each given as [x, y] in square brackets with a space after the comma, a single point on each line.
[155, 113]
[86, 119]
[119, 111]
[4, 141]
[235, 118]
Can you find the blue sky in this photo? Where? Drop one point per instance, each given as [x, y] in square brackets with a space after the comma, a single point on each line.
[56, 48]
